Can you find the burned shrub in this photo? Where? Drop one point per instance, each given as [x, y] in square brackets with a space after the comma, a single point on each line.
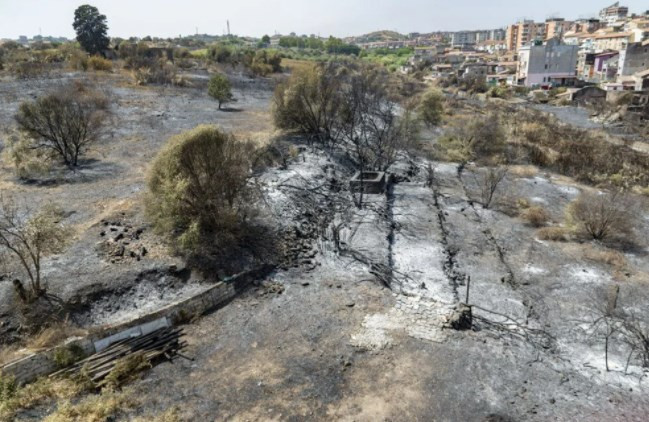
[199, 192]
[554, 234]
[603, 216]
[65, 123]
[308, 102]
[535, 216]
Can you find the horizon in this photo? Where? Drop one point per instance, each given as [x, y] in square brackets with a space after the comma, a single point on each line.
[169, 19]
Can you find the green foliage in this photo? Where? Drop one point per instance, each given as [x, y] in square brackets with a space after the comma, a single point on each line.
[126, 370]
[266, 62]
[265, 39]
[338, 46]
[198, 188]
[303, 42]
[91, 29]
[67, 355]
[8, 388]
[431, 108]
[220, 89]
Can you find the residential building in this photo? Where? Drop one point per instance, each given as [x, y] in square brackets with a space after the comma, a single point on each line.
[551, 64]
[586, 65]
[524, 33]
[587, 25]
[470, 38]
[492, 46]
[613, 13]
[556, 28]
[641, 80]
[638, 28]
[611, 41]
[634, 58]
[605, 66]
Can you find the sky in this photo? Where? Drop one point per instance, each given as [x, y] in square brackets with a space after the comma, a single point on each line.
[170, 18]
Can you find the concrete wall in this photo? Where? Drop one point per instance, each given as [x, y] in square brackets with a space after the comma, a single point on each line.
[634, 58]
[40, 364]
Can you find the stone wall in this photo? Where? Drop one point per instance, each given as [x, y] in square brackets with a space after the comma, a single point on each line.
[43, 363]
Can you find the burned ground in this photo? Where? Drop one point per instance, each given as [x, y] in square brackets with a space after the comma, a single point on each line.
[323, 338]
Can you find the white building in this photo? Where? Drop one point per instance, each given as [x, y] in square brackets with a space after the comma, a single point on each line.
[551, 64]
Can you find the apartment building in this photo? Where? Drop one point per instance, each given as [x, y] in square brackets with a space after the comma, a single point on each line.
[611, 41]
[556, 28]
[471, 38]
[634, 58]
[524, 33]
[614, 13]
[551, 64]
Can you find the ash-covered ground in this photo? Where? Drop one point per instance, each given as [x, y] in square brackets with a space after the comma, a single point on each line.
[355, 326]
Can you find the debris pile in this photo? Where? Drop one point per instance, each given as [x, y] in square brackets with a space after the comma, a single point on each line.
[121, 241]
[147, 350]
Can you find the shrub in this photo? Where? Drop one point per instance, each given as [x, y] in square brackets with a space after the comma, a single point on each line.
[309, 101]
[431, 108]
[65, 122]
[535, 216]
[28, 163]
[100, 64]
[198, 188]
[220, 89]
[479, 138]
[154, 71]
[603, 216]
[555, 234]
[67, 355]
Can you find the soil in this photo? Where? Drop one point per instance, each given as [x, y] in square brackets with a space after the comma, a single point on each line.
[324, 337]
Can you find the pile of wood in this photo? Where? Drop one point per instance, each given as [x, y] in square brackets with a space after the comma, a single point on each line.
[151, 348]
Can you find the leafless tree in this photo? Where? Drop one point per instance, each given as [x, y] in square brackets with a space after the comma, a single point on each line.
[29, 240]
[490, 183]
[65, 122]
[605, 215]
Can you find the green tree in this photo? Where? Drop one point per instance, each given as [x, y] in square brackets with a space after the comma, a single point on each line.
[91, 29]
[220, 89]
[265, 39]
[431, 108]
[198, 188]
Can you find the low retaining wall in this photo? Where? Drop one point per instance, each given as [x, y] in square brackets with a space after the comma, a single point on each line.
[43, 363]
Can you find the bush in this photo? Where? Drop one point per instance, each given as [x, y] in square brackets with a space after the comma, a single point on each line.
[100, 64]
[479, 138]
[535, 216]
[309, 101]
[65, 122]
[431, 108]
[603, 216]
[198, 189]
[28, 163]
[220, 89]
[555, 234]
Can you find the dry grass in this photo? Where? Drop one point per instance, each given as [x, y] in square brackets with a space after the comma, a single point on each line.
[14, 400]
[606, 256]
[296, 65]
[535, 216]
[525, 171]
[95, 408]
[554, 234]
[53, 336]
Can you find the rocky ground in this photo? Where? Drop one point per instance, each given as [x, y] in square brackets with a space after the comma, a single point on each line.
[325, 337]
